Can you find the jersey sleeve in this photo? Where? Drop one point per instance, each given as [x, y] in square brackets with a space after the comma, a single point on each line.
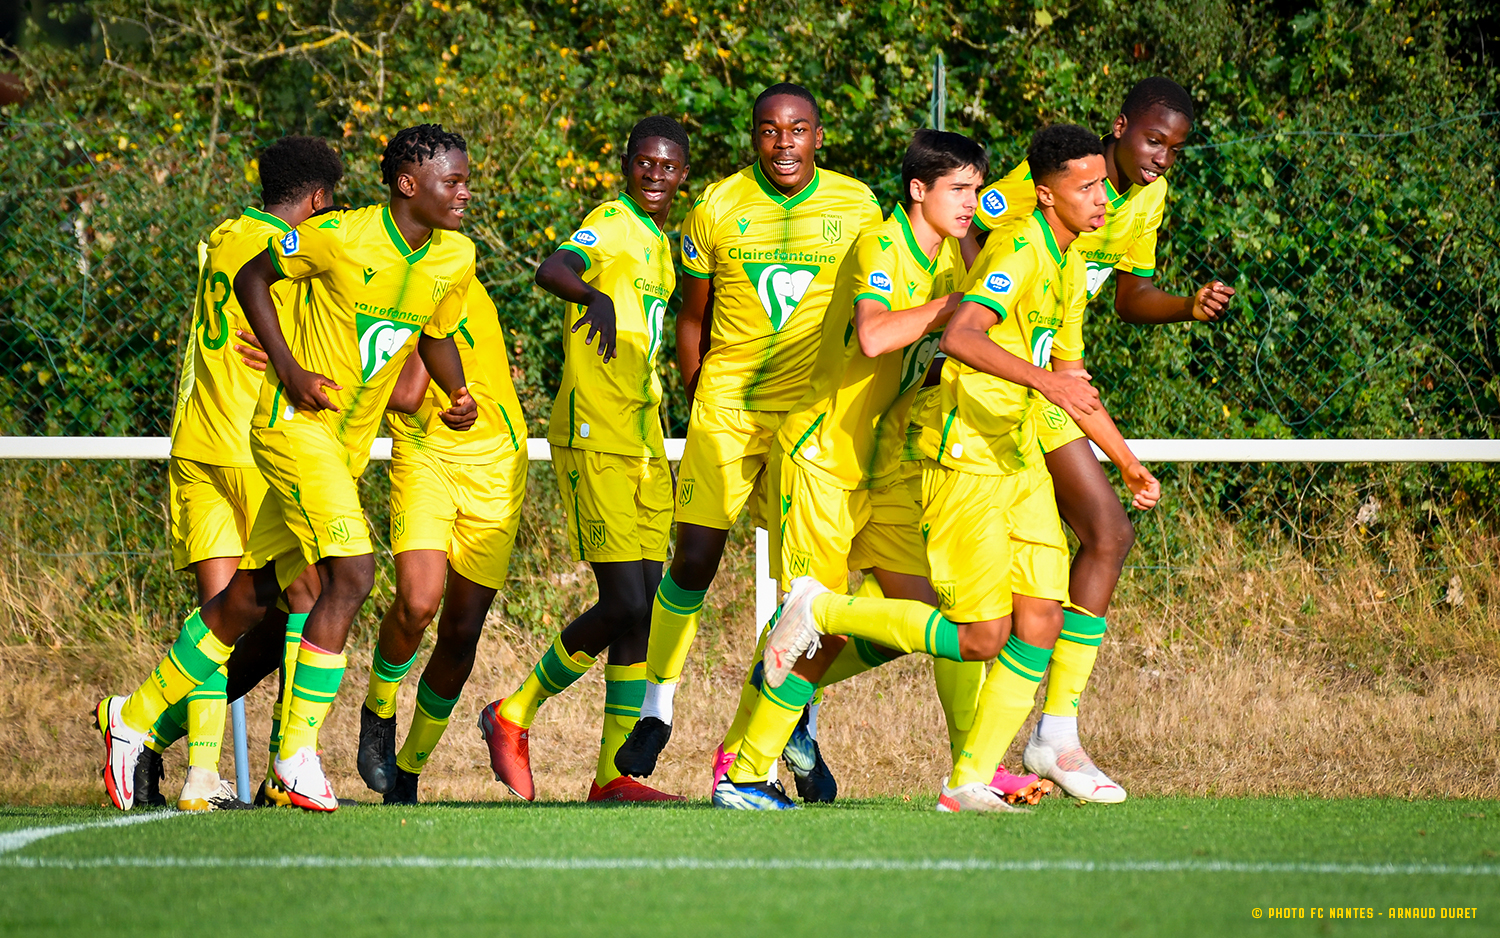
[1002, 280]
[870, 216]
[310, 248]
[1067, 344]
[697, 240]
[598, 238]
[453, 308]
[874, 269]
[1140, 257]
[1008, 198]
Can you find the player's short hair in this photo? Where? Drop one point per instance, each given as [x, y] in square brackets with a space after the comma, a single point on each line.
[657, 125]
[792, 89]
[415, 144]
[294, 167]
[933, 154]
[1054, 146]
[1157, 92]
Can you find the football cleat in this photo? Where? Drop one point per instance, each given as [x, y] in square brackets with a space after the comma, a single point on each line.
[975, 796]
[302, 778]
[1020, 789]
[795, 633]
[226, 798]
[149, 773]
[198, 790]
[814, 782]
[510, 751]
[1072, 769]
[404, 791]
[638, 754]
[377, 750]
[122, 749]
[722, 761]
[626, 788]
[271, 794]
[752, 796]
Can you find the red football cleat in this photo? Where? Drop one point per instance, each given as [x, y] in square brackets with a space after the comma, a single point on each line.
[626, 788]
[510, 751]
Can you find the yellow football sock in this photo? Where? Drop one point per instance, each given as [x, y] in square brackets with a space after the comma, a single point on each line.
[169, 727]
[385, 681]
[771, 725]
[904, 625]
[674, 624]
[427, 726]
[190, 661]
[624, 688]
[1004, 703]
[958, 684]
[206, 705]
[314, 686]
[857, 657]
[295, 622]
[553, 674]
[1072, 662]
[749, 694]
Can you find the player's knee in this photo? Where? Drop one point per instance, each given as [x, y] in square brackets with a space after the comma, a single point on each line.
[981, 642]
[694, 572]
[353, 579]
[414, 613]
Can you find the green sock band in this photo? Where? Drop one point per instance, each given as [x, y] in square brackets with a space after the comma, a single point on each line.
[435, 706]
[186, 654]
[556, 671]
[1025, 660]
[385, 671]
[1081, 629]
[942, 638]
[212, 689]
[793, 694]
[316, 683]
[874, 656]
[623, 698]
[295, 623]
[171, 725]
[678, 600]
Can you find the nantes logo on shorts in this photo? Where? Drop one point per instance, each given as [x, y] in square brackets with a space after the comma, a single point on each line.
[379, 341]
[798, 563]
[596, 533]
[685, 491]
[946, 590]
[780, 288]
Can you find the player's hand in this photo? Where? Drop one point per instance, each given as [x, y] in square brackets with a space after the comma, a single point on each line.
[1071, 391]
[304, 390]
[1211, 301]
[1143, 486]
[251, 353]
[601, 322]
[462, 413]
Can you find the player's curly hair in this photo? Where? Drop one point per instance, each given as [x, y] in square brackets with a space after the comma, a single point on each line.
[292, 167]
[933, 154]
[1054, 146]
[792, 89]
[657, 125]
[1157, 92]
[415, 144]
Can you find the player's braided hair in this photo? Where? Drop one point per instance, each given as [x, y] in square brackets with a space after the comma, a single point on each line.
[415, 144]
[1054, 146]
[293, 167]
[788, 88]
[1157, 92]
[933, 154]
[657, 125]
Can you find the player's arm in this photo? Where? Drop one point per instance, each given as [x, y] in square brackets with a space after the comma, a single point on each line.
[1100, 427]
[693, 330]
[440, 356]
[411, 387]
[1138, 301]
[881, 329]
[252, 287]
[562, 276]
[967, 339]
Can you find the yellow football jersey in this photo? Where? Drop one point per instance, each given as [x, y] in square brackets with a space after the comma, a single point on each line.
[615, 407]
[501, 427]
[850, 426]
[367, 295]
[1039, 293]
[774, 261]
[217, 392]
[1126, 242]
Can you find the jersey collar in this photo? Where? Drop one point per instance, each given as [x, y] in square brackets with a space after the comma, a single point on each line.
[929, 264]
[1041, 221]
[1115, 198]
[267, 217]
[639, 212]
[398, 240]
[787, 202]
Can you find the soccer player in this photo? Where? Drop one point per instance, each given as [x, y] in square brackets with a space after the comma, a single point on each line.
[455, 508]
[761, 250]
[994, 543]
[215, 491]
[1146, 139]
[615, 274]
[375, 278]
[843, 502]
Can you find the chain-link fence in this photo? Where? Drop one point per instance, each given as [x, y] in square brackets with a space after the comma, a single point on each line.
[1364, 256]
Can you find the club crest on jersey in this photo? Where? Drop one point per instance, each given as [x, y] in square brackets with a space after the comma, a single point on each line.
[379, 341]
[997, 283]
[780, 288]
[689, 249]
[833, 229]
[440, 288]
[587, 237]
[993, 203]
[685, 491]
[880, 280]
[289, 243]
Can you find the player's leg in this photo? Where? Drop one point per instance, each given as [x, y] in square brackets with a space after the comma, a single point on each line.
[299, 598]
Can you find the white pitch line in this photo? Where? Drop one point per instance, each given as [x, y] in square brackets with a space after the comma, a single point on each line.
[751, 864]
[15, 840]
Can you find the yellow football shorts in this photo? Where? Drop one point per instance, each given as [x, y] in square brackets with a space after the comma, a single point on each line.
[1054, 428]
[313, 508]
[825, 531]
[469, 511]
[213, 509]
[725, 466]
[989, 537]
[618, 508]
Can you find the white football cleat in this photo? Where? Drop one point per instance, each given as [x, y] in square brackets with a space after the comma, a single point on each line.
[204, 790]
[1072, 769]
[795, 633]
[122, 749]
[975, 796]
[302, 779]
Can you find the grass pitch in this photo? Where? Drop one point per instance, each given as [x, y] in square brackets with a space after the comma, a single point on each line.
[1152, 866]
